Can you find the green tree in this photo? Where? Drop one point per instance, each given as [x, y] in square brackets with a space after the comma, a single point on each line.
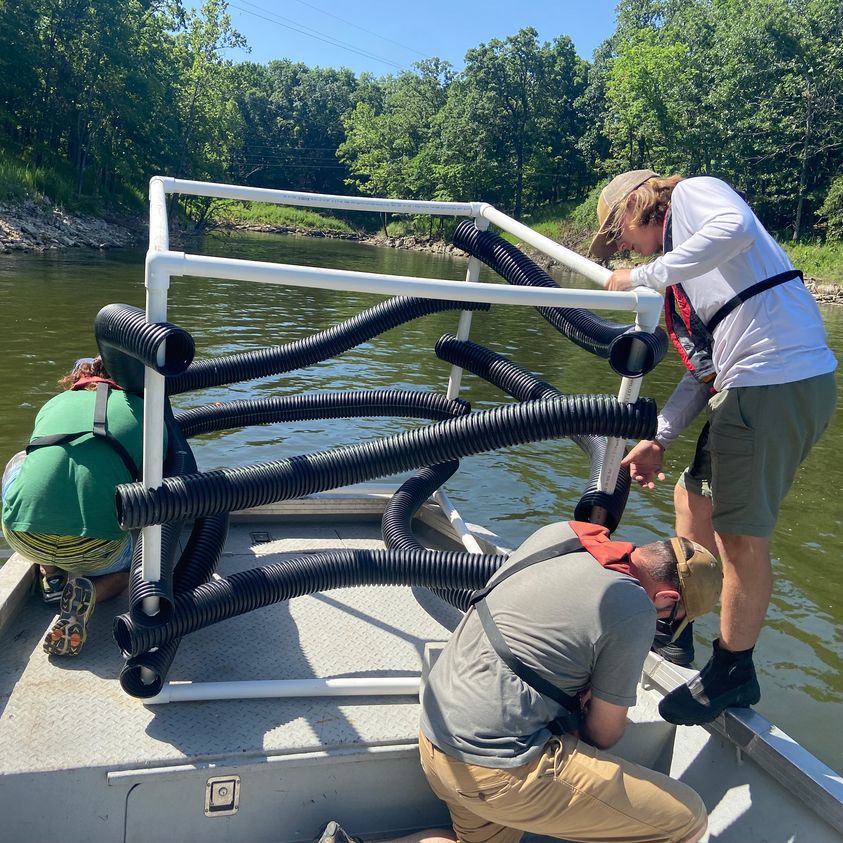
[384, 143]
[209, 120]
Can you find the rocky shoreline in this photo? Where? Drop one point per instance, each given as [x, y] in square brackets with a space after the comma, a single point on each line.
[31, 226]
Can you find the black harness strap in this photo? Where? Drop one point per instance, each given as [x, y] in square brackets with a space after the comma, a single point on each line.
[738, 298]
[523, 671]
[98, 428]
[751, 291]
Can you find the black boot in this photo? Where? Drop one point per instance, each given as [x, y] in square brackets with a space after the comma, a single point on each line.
[727, 681]
[680, 651]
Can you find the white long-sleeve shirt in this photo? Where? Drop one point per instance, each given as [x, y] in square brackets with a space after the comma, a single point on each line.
[720, 248]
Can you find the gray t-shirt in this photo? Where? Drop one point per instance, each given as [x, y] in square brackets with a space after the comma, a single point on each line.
[575, 622]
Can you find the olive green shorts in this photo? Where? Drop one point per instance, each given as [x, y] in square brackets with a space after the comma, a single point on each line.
[748, 452]
[571, 791]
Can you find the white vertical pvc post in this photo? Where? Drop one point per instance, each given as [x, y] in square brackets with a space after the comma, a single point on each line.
[454, 382]
[157, 282]
[646, 319]
[464, 327]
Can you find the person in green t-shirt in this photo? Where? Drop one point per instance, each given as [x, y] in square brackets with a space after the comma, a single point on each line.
[58, 497]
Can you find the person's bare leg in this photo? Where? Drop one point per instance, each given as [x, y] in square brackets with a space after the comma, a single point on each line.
[431, 835]
[695, 838]
[747, 586]
[110, 585]
[693, 518]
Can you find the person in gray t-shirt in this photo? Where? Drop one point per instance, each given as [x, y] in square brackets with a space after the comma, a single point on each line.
[580, 611]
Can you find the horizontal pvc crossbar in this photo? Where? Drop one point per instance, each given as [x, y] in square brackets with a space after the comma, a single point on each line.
[573, 260]
[178, 263]
[278, 688]
[318, 200]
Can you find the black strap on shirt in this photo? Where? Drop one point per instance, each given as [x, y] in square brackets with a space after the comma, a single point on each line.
[99, 429]
[570, 721]
[738, 298]
[751, 291]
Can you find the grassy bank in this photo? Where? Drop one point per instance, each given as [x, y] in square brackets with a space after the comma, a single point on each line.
[21, 181]
[278, 216]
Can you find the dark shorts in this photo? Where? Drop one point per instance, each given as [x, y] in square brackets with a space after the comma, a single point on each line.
[748, 452]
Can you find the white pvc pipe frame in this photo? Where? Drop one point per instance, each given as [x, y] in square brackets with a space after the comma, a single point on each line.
[162, 264]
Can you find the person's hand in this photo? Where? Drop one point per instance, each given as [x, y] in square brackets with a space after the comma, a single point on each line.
[645, 463]
[620, 280]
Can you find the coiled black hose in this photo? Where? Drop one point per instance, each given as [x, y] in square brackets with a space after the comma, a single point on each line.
[325, 405]
[313, 349]
[246, 591]
[226, 490]
[179, 460]
[396, 524]
[127, 343]
[143, 675]
[599, 507]
[600, 337]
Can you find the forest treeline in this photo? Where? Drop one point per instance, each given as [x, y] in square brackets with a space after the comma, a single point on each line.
[96, 96]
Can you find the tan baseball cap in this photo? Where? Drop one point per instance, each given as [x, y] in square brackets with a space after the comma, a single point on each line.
[610, 197]
[700, 581]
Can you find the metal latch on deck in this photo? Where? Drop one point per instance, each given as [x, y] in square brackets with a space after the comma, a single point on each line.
[222, 796]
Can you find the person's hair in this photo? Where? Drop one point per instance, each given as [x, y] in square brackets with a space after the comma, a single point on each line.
[661, 561]
[89, 369]
[651, 202]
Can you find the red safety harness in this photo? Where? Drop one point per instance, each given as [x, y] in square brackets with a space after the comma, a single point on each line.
[693, 338]
[99, 427]
[591, 538]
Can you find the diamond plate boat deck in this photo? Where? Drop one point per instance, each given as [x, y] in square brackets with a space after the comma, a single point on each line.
[84, 761]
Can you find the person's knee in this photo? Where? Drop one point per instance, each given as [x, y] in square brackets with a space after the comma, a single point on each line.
[697, 817]
[739, 549]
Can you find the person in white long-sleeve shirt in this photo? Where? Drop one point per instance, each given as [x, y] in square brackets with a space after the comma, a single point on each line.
[755, 346]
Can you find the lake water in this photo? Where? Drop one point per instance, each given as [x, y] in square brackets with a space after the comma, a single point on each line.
[49, 302]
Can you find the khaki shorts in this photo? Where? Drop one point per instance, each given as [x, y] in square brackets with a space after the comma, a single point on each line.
[748, 452]
[572, 790]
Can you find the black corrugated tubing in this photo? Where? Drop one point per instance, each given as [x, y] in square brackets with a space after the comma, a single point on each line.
[612, 504]
[143, 675]
[397, 529]
[226, 490]
[313, 349]
[325, 405]
[599, 336]
[179, 460]
[162, 589]
[523, 385]
[494, 368]
[396, 523]
[246, 591]
[123, 328]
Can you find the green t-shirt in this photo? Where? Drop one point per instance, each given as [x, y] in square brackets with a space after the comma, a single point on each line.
[68, 489]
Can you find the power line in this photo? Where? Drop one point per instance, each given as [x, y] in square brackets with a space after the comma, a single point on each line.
[313, 33]
[362, 29]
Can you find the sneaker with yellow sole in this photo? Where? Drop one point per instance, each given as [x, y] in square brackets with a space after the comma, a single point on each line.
[70, 629]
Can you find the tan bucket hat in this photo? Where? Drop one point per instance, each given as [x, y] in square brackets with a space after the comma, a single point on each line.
[700, 581]
[610, 197]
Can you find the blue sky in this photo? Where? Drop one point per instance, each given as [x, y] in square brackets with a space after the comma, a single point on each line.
[385, 36]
